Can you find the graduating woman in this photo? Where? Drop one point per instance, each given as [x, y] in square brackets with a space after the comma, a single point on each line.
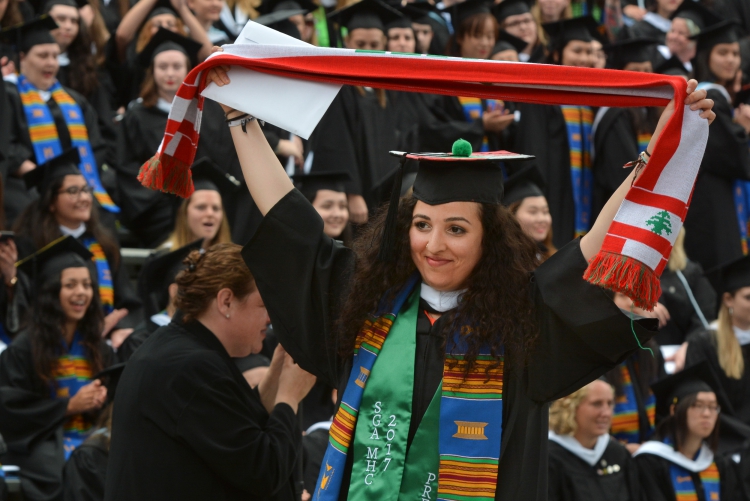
[514, 16]
[49, 106]
[65, 207]
[516, 333]
[681, 463]
[327, 194]
[481, 122]
[717, 227]
[186, 423]
[560, 136]
[48, 399]
[656, 23]
[585, 463]
[168, 57]
[726, 345]
[525, 199]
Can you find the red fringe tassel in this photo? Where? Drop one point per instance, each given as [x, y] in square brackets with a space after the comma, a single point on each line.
[625, 275]
[164, 173]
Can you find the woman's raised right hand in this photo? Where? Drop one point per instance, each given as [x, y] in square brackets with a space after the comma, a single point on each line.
[294, 384]
[89, 398]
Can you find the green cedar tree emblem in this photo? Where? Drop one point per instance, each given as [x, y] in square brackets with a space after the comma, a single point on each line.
[660, 222]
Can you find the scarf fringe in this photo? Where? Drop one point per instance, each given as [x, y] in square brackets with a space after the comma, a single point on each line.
[626, 275]
[167, 174]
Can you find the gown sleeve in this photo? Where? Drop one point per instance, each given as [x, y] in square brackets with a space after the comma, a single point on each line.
[582, 333]
[18, 150]
[256, 459]
[301, 274]
[27, 415]
[85, 474]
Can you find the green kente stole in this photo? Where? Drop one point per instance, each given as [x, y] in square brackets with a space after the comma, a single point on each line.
[455, 452]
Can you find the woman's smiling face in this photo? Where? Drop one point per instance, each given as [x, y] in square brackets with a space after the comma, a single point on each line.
[446, 243]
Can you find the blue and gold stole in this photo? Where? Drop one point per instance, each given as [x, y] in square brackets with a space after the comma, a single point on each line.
[578, 121]
[73, 372]
[46, 142]
[473, 110]
[626, 419]
[464, 420]
[103, 273]
[684, 487]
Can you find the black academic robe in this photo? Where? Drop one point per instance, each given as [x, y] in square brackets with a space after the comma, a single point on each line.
[85, 473]
[303, 277]
[149, 214]
[647, 30]
[656, 480]
[712, 235]
[187, 426]
[684, 319]
[448, 123]
[355, 134]
[572, 479]
[140, 333]
[702, 346]
[16, 197]
[314, 449]
[14, 304]
[542, 132]
[31, 422]
[615, 144]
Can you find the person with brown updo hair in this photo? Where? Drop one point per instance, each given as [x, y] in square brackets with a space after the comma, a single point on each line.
[186, 424]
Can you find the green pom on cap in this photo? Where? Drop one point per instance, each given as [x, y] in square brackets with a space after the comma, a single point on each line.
[461, 148]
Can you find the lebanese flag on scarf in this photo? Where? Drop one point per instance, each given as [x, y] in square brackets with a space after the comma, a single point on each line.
[639, 240]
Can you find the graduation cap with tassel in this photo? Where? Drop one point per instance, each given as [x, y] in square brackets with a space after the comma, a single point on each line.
[458, 176]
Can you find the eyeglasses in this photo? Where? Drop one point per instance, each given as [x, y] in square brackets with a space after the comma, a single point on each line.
[701, 407]
[75, 191]
[518, 23]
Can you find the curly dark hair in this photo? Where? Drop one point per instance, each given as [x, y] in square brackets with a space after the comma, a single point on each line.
[82, 75]
[46, 323]
[38, 224]
[497, 304]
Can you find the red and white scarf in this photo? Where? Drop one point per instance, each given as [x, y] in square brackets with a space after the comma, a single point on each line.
[640, 239]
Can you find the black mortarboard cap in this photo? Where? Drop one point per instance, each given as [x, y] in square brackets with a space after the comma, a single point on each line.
[404, 21]
[527, 182]
[207, 176]
[27, 35]
[110, 378]
[164, 40]
[459, 176]
[311, 182]
[508, 8]
[584, 28]
[672, 66]
[633, 50]
[697, 13]
[277, 16]
[65, 164]
[162, 7]
[691, 380]
[506, 41]
[723, 32]
[158, 274]
[49, 261]
[419, 11]
[462, 11]
[732, 276]
[278, 5]
[78, 4]
[365, 14]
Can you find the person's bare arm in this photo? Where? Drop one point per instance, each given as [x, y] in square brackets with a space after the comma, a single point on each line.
[197, 32]
[130, 23]
[592, 241]
[265, 177]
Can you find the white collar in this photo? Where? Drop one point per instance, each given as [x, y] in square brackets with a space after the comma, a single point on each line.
[63, 59]
[704, 460]
[321, 425]
[713, 86]
[590, 456]
[75, 232]
[524, 58]
[657, 21]
[161, 319]
[438, 300]
[742, 336]
[164, 105]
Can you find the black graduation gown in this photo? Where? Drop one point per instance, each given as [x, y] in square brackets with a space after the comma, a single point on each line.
[712, 235]
[303, 276]
[615, 144]
[449, 123]
[542, 132]
[31, 422]
[186, 425]
[140, 333]
[85, 472]
[572, 479]
[13, 311]
[684, 319]
[148, 213]
[656, 481]
[16, 197]
[702, 346]
[647, 30]
[314, 449]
